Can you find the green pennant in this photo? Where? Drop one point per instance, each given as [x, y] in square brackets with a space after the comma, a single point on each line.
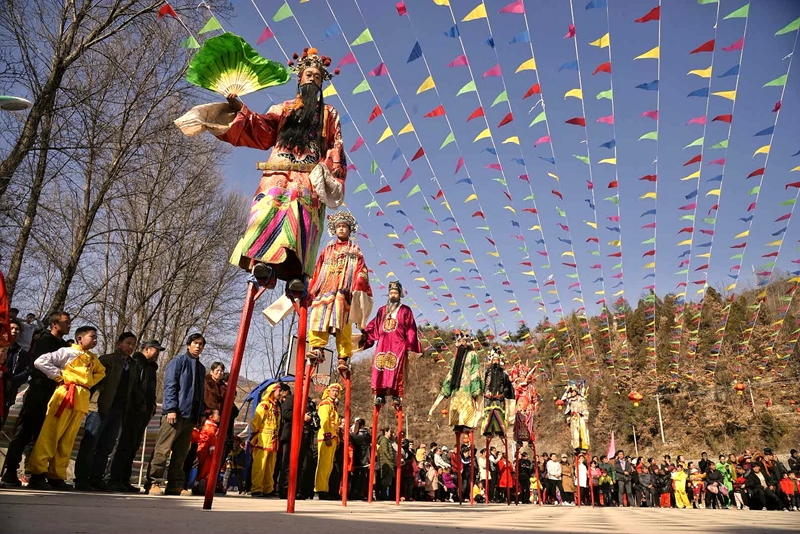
[373, 166]
[790, 202]
[777, 82]
[614, 199]
[362, 187]
[360, 88]
[647, 241]
[707, 1]
[754, 191]
[427, 209]
[740, 13]
[405, 256]
[792, 26]
[414, 191]
[416, 241]
[502, 97]
[687, 218]
[721, 144]
[584, 159]
[595, 252]
[447, 140]
[617, 266]
[737, 256]
[650, 135]
[605, 94]
[470, 87]
[283, 13]
[365, 37]
[539, 118]
[697, 142]
[373, 204]
[684, 271]
[710, 220]
[211, 25]
[190, 42]
[500, 181]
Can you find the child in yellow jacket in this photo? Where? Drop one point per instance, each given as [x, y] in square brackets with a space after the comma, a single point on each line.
[76, 370]
[327, 436]
[679, 478]
[264, 428]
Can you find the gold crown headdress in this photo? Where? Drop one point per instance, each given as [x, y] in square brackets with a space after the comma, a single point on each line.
[341, 216]
[395, 284]
[495, 353]
[311, 58]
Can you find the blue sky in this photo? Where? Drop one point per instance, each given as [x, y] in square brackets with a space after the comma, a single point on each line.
[514, 270]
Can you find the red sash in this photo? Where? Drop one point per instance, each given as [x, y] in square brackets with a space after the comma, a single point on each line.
[69, 398]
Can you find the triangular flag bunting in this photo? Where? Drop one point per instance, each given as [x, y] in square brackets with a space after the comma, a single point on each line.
[283, 13]
[211, 25]
[477, 13]
[365, 37]
[426, 85]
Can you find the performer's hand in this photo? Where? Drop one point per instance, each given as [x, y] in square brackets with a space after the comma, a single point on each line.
[234, 102]
[172, 418]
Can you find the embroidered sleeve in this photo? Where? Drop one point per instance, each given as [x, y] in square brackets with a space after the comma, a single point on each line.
[254, 130]
[335, 157]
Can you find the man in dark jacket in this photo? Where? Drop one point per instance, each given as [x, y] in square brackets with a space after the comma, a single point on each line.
[623, 468]
[18, 363]
[37, 397]
[182, 407]
[141, 408]
[106, 410]
[714, 482]
[525, 469]
[285, 441]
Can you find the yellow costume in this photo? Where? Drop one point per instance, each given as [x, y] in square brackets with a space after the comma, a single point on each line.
[327, 438]
[264, 428]
[681, 499]
[77, 371]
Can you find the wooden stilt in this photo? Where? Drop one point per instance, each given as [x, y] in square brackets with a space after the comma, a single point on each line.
[300, 402]
[471, 467]
[375, 412]
[458, 451]
[516, 477]
[488, 471]
[577, 477]
[508, 488]
[347, 463]
[589, 476]
[539, 491]
[253, 292]
[398, 467]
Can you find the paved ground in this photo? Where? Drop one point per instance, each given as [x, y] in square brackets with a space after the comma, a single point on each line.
[23, 511]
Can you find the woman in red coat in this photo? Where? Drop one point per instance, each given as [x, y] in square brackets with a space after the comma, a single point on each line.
[506, 472]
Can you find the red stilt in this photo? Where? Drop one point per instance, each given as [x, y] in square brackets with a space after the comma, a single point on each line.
[589, 476]
[508, 488]
[488, 471]
[516, 478]
[253, 292]
[347, 463]
[458, 451]
[471, 467]
[300, 401]
[399, 415]
[538, 477]
[375, 412]
[577, 477]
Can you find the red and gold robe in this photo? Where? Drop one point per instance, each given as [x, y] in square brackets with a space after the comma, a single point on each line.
[395, 335]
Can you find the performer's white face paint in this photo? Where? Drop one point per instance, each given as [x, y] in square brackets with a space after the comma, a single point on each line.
[343, 231]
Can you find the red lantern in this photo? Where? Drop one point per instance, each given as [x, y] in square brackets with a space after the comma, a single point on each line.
[560, 403]
[739, 387]
[635, 397]
[444, 412]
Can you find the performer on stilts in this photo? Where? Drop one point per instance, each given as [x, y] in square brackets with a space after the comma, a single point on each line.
[305, 173]
[463, 385]
[498, 391]
[395, 331]
[577, 411]
[527, 402]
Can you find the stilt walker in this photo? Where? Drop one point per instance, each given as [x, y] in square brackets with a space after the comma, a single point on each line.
[577, 412]
[498, 393]
[286, 216]
[464, 388]
[394, 330]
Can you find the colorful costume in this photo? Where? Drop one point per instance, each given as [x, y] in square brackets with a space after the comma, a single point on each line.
[577, 411]
[286, 215]
[464, 387]
[340, 290]
[395, 331]
[77, 370]
[264, 428]
[523, 379]
[327, 437]
[206, 443]
[497, 391]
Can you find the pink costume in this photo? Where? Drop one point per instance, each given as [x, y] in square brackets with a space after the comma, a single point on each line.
[396, 335]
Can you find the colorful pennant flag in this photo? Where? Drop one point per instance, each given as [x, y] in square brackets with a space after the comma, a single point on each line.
[283, 13]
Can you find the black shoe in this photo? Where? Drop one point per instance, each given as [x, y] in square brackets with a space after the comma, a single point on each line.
[379, 400]
[256, 494]
[119, 487]
[83, 485]
[11, 481]
[39, 482]
[99, 484]
[264, 275]
[397, 401]
[60, 485]
[295, 288]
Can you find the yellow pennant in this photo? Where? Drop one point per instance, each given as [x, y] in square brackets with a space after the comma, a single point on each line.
[695, 174]
[651, 194]
[513, 139]
[650, 54]
[714, 192]
[730, 95]
[483, 135]
[386, 134]
[610, 161]
[603, 42]
[703, 73]
[742, 234]
[477, 13]
[526, 65]
[470, 198]
[763, 150]
[575, 93]
[651, 265]
[426, 85]
[408, 128]
[329, 91]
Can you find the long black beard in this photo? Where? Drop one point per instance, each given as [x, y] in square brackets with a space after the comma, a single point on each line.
[391, 307]
[300, 122]
[458, 367]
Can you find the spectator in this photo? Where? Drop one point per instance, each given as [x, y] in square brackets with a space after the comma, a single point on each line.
[714, 487]
[387, 459]
[264, 429]
[583, 481]
[141, 408]
[606, 486]
[3, 383]
[106, 412]
[206, 444]
[182, 408]
[76, 369]
[609, 467]
[757, 486]
[567, 481]
[505, 479]
[594, 474]
[34, 405]
[794, 461]
[361, 441]
[623, 468]
[439, 458]
[664, 488]
[18, 368]
[422, 451]
[680, 477]
[553, 480]
[790, 491]
[431, 481]
[697, 480]
[524, 477]
[215, 387]
[740, 489]
[449, 485]
[646, 489]
[704, 462]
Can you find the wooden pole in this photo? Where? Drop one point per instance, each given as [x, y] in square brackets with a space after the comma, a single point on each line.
[346, 456]
[398, 467]
[660, 421]
[300, 402]
[375, 412]
[635, 442]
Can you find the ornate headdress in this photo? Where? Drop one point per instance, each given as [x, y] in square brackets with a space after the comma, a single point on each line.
[327, 393]
[496, 352]
[311, 58]
[458, 335]
[398, 286]
[341, 216]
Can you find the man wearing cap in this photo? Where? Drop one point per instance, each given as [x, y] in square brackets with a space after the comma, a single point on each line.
[340, 291]
[395, 331]
[140, 409]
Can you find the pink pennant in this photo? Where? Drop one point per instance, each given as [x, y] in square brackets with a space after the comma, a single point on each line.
[738, 45]
[571, 33]
[516, 7]
[265, 35]
[349, 59]
[606, 120]
[720, 161]
[543, 139]
[525, 178]
[494, 71]
[460, 61]
[697, 120]
[494, 166]
[652, 114]
[777, 107]
[459, 164]
[406, 175]
[401, 8]
[380, 70]
[358, 144]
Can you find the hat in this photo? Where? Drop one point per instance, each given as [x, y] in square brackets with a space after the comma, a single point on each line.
[311, 58]
[767, 450]
[444, 448]
[396, 285]
[496, 352]
[152, 343]
[341, 216]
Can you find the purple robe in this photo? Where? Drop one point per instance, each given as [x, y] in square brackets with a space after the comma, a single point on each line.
[394, 340]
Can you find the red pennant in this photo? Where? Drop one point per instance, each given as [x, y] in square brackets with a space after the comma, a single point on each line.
[697, 159]
[475, 114]
[508, 118]
[531, 210]
[375, 114]
[615, 255]
[435, 112]
[603, 67]
[165, 10]
[792, 184]
[571, 32]
[705, 47]
[740, 245]
[349, 59]
[577, 121]
[687, 229]
[406, 175]
[265, 35]
[651, 114]
[738, 45]
[556, 193]
[535, 89]
[653, 14]
[777, 107]
[459, 164]
[589, 184]
[479, 214]
[439, 195]
[720, 161]
[613, 184]
[757, 172]
[401, 8]
[384, 189]
[723, 118]
[649, 177]
[494, 166]
[751, 207]
[649, 253]
[420, 152]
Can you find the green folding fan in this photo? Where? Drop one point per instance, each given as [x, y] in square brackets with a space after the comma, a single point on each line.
[227, 64]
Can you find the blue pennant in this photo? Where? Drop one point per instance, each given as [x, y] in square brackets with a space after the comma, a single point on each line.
[333, 30]
[416, 53]
[609, 144]
[521, 37]
[569, 65]
[453, 32]
[649, 86]
[699, 92]
[733, 71]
